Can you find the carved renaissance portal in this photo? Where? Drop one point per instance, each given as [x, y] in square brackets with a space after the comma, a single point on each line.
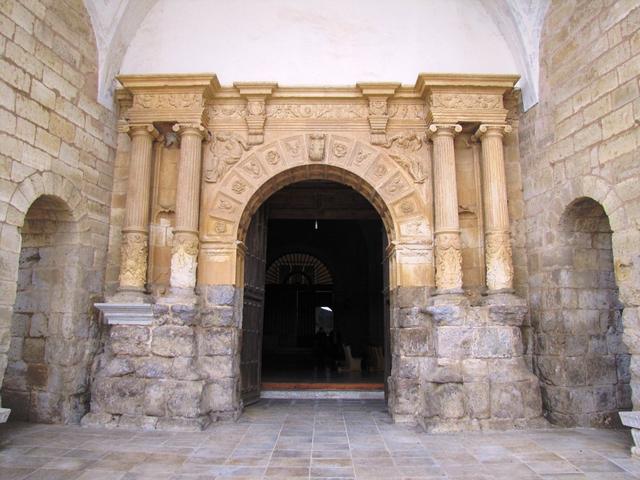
[204, 158]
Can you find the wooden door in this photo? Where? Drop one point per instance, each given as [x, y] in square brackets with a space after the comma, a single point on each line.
[253, 307]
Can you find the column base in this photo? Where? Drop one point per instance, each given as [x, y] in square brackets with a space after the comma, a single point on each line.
[131, 295]
[179, 296]
[450, 291]
[126, 313]
[500, 291]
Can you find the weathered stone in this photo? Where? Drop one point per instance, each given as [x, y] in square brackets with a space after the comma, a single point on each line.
[155, 397]
[506, 401]
[216, 341]
[221, 295]
[413, 341]
[184, 399]
[218, 317]
[153, 367]
[478, 396]
[137, 422]
[117, 367]
[452, 400]
[454, 342]
[120, 395]
[172, 341]
[492, 342]
[187, 314]
[130, 340]
[217, 367]
[219, 396]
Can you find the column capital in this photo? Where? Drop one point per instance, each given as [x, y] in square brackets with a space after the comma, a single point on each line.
[140, 129]
[184, 129]
[448, 129]
[486, 129]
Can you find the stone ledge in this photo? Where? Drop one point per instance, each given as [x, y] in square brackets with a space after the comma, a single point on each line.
[4, 414]
[126, 313]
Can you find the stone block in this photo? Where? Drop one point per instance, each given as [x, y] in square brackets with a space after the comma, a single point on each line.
[447, 314]
[413, 342]
[478, 396]
[219, 396]
[117, 367]
[176, 424]
[217, 367]
[496, 342]
[451, 399]
[172, 341]
[33, 350]
[184, 399]
[221, 295]
[406, 396]
[454, 342]
[216, 341]
[506, 401]
[37, 375]
[409, 367]
[138, 422]
[153, 367]
[120, 395]
[184, 368]
[441, 370]
[218, 317]
[601, 370]
[407, 297]
[130, 340]
[411, 317]
[187, 314]
[155, 397]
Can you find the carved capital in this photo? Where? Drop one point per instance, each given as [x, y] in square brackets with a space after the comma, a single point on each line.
[143, 130]
[499, 261]
[186, 129]
[443, 129]
[488, 130]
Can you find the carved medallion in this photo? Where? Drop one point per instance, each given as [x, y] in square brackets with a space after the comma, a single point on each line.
[407, 207]
[293, 148]
[361, 156]
[253, 168]
[340, 149]
[272, 157]
[316, 147]
[238, 187]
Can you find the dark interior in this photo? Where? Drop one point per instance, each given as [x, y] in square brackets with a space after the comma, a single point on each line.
[324, 286]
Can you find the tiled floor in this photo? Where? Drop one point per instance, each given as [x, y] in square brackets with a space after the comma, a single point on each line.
[312, 439]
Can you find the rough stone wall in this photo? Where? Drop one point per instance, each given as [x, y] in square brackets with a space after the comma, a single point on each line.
[56, 141]
[582, 140]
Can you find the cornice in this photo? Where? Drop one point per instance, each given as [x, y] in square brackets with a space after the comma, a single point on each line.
[427, 81]
[205, 83]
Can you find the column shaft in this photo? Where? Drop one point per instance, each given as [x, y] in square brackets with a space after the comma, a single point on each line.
[447, 227]
[185, 241]
[135, 230]
[498, 256]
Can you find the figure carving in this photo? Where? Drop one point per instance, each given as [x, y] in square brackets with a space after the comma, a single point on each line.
[184, 254]
[396, 185]
[403, 111]
[226, 150]
[293, 148]
[448, 261]
[316, 147]
[377, 106]
[498, 258]
[253, 168]
[403, 149]
[133, 267]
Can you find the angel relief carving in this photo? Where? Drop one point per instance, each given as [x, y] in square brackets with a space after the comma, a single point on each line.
[403, 148]
[226, 150]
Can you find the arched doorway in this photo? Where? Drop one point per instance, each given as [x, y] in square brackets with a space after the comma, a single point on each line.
[52, 337]
[316, 321]
[580, 357]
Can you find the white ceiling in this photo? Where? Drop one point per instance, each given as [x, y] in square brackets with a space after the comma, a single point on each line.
[251, 40]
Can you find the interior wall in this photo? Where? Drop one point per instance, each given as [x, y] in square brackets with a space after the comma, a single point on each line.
[581, 140]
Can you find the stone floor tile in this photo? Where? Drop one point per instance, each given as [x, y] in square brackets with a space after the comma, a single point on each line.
[53, 474]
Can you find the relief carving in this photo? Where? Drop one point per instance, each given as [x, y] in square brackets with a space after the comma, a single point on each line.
[318, 111]
[403, 149]
[184, 254]
[133, 266]
[238, 187]
[498, 258]
[228, 111]
[253, 168]
[225, 206]
[316, 147]
[293, 148]
[226, 150]
[466, 101]
[403, 111]
[340, 149]
[272, 157]
[448, 261]
[168, 100]
[361, 156]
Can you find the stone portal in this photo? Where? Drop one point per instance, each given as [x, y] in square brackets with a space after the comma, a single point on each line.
[203, 158]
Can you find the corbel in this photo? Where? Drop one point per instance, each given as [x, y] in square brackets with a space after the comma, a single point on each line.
[378, 95]
[256, 95]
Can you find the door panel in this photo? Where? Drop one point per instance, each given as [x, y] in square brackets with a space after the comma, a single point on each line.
[253, 307]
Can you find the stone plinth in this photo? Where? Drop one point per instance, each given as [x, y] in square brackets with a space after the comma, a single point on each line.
[126, 313]
[460, 366]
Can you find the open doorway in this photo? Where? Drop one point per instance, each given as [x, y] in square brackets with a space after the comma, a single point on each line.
[315, 314]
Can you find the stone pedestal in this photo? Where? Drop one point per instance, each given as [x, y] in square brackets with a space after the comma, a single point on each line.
[466, 370]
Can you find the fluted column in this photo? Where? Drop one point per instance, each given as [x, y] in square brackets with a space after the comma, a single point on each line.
[135, 230]
[447, 226]
[184, 252]
[498, 256]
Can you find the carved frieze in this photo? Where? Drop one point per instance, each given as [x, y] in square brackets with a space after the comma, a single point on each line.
[227, 111]
[168, 100]
[225, 150]
[466, 101]
[403, 149]
[184, 255]
[317, 111]
[406, 111]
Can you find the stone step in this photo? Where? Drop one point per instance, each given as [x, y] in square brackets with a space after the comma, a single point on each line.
[323, 394]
